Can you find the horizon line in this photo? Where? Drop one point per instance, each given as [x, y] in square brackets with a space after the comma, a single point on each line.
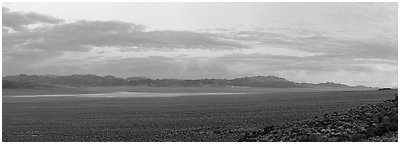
[199, 78]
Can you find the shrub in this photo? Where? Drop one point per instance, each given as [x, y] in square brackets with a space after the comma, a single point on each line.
[357, 137]
[268, 129]
[381, 129]
[311, 138]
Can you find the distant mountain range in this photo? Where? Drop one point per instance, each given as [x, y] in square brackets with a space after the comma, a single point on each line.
[89, 80]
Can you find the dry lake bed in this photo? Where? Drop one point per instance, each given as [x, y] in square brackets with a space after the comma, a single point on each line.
[167, 114]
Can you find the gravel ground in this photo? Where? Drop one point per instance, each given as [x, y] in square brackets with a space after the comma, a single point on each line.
[372, 122]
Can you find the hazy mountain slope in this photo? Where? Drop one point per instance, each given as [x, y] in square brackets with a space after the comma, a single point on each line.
[262, 81]
[30, 81]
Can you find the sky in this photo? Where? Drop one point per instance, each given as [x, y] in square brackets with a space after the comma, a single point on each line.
[349, 43]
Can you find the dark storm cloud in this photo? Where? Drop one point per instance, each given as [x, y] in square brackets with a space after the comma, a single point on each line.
[5, 9]
[19, 20]
[84, 34]
[121, 34]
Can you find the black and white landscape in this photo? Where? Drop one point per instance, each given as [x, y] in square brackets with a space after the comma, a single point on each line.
[161, 72]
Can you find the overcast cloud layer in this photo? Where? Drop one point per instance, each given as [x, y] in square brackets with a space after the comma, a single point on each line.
[351, 43]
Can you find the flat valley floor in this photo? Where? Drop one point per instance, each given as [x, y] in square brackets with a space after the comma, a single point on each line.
[183, 118]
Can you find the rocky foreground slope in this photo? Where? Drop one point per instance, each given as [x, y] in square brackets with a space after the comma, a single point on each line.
[372, 122]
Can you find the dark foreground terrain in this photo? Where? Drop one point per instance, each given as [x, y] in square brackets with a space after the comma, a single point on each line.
[372, 122]
[192, 118]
